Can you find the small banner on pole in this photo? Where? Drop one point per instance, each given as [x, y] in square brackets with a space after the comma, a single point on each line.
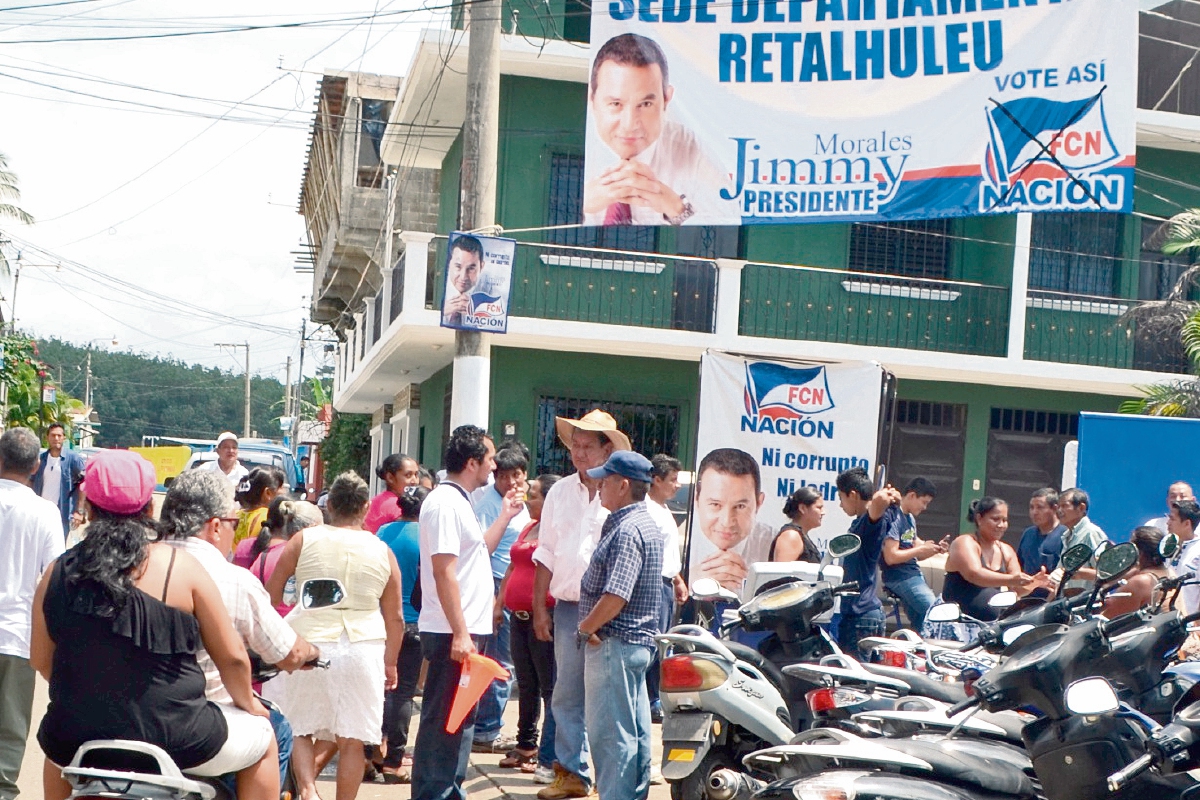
[478, 282]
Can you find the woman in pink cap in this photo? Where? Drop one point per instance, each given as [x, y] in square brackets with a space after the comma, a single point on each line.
[117, 622]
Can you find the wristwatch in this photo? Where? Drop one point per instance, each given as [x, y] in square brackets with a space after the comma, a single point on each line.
[684, 215]
[582, 637]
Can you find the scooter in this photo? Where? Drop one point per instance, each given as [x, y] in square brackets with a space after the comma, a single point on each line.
[122, 769]
[1072, 748]
[723, 700]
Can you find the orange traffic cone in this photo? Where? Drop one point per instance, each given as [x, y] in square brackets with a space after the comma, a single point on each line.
[478, 672]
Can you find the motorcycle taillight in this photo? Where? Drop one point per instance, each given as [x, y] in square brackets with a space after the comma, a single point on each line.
[827, 699]
[894, 658]
[688, 673]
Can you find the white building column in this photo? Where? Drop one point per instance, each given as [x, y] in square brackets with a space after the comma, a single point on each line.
[385, 289]
[729, 297]
[416, 264]
[1020, 287]
[376, 457]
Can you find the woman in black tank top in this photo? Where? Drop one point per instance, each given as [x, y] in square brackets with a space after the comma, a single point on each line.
[805, 508]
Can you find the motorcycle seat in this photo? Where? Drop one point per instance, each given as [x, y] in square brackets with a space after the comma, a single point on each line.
[920, 684]
[752, 656]
[987, 766]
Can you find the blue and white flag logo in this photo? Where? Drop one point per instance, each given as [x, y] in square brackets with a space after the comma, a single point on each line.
[782, 392]
[1068, 135]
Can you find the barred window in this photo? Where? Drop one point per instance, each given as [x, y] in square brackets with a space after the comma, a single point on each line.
[1076, 252]
[915, 249]
[651, 428]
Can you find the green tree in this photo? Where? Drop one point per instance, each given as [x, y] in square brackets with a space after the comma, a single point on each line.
[348, 446]
[24, 376]
[1174, 318]
[10, 197]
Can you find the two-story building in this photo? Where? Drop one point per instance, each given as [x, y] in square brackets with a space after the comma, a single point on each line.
[1000, 330]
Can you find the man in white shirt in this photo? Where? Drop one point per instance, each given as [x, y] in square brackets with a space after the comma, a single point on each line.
[227, 460]
[655, 171]
[198, 517]
[664, 485]
[1183, 521]
[30, 539]
[456, 605]
[1175, 492]
[572, 517]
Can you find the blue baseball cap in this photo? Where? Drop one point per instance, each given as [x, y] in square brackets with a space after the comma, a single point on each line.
[625, 463]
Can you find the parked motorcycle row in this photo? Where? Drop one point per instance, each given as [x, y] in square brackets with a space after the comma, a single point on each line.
[1052, 701]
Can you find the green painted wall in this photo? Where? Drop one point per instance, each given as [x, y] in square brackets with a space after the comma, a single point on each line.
[980, 400]
[520, 377]
[433, 396]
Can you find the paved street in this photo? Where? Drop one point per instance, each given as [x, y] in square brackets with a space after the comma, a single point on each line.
[486, 781]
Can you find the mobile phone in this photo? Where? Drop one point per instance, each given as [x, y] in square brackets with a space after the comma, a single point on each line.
[880, 476]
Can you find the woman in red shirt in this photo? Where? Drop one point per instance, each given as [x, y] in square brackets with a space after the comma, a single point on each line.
[397, 471]
[532, 658]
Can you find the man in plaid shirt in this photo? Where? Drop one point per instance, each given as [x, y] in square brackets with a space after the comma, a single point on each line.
[619, 605]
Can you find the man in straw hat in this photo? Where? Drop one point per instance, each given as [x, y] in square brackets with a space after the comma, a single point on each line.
[572, 517]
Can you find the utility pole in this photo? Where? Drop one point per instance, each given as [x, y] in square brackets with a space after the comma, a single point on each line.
[299, 404]
[477, 201]
[287, 390]
[246, 414]
[87, 381]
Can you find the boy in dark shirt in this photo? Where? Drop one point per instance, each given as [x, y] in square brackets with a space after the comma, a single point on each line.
[862, 616]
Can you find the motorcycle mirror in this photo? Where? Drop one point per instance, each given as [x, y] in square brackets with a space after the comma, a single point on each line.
[321, 593]
[1169, 545]
[944, 612]
[1014, 633]
[1091, 696]
[844, 545]
[1075, 557]
[709, 590]
[1116, 560]
[1002, 600]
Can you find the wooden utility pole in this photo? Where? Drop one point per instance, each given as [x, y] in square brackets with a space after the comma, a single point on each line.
[246, 412]
[477, 201]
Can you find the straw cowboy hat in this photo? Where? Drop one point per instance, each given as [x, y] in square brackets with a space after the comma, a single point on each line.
[595, 420]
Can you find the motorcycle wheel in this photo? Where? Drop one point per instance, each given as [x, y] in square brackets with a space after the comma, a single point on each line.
[694, 785]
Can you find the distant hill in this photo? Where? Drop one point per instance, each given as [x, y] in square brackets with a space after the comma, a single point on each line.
[136, 394]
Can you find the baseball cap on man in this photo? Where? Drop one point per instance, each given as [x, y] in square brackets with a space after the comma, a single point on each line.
[625, 463]
[226, 436]
[119, 481]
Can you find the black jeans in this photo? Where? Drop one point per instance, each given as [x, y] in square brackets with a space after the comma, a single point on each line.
[533, 661]
[398, 703]
[440, 758]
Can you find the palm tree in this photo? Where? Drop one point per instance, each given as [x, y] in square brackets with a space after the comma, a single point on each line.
[10, 195]
[1173, 318]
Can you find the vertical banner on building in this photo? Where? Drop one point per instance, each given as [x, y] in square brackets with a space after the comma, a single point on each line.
[478, 282]
[796, 425]
[756, 112]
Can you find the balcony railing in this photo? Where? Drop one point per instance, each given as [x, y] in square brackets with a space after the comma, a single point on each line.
[605, 286]
[803, 303]
[1096, 331]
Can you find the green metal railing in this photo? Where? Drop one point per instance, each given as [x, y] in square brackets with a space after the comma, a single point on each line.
[804, 303]
[605, 286]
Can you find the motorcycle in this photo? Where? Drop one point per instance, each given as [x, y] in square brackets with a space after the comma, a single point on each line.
[122, 769]
[722, 699]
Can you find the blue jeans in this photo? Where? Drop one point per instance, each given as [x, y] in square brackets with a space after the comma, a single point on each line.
[853, 627]
[489, 716]
[283, 741]
[618, 714]
[666, 615]
[917, 598]
[398, 703]
[570, 726]
[440, 758]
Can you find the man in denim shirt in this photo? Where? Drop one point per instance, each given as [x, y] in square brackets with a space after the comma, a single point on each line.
[619, 602]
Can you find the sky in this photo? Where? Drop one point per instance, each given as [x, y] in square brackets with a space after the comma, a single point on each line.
[154, 190]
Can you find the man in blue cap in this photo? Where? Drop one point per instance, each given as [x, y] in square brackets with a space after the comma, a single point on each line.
[619, 602]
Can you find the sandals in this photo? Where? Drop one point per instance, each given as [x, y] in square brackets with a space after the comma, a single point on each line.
[393, 776]
[519, 758]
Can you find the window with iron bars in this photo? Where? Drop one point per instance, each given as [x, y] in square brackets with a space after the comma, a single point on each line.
[651, 428]
[1159, 272]
[1076, 252]
[937, 415]
[1027, 421]
[915, 249]
[565, 207]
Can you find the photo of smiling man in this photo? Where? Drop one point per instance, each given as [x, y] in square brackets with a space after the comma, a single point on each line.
[650, 170]
[728, 497]
[464, 271]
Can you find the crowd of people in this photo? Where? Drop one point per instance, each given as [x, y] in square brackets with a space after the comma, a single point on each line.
[148, 627]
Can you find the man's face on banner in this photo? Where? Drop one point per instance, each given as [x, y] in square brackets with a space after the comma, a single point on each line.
[727, 507]
[629, 104]
[464, 270]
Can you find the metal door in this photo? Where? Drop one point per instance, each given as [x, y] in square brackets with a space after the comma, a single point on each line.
[1025, 453]
[929, 440]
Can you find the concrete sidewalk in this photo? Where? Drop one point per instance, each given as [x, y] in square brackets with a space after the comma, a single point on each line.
[485, 779]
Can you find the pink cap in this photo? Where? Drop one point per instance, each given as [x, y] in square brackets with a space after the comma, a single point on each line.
[119, 481]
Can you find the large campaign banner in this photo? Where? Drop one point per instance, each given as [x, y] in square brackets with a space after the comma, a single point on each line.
[728, 112]
[478, 282]
[768, 428]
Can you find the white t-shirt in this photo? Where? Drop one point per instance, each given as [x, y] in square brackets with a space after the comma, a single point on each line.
[236, 477]
[672, 560]
[1189, 561]
[448, 526]
[31, 536]
[52, 479]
